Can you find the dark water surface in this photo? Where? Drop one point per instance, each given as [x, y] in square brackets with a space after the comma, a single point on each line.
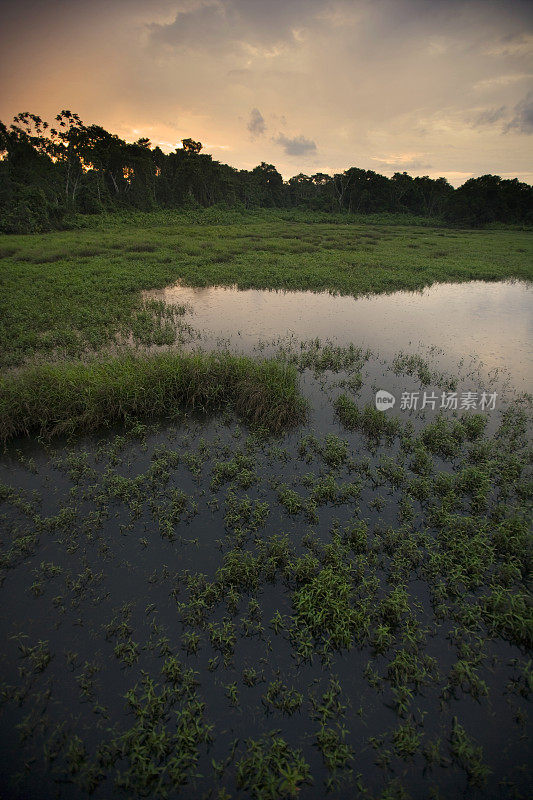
[103, 541]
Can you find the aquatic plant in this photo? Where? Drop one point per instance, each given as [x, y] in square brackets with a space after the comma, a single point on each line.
[373, 423]
[270, 770]
[325, 607]
[469, 755]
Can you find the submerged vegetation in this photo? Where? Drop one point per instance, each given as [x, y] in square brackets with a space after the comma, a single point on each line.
[276, 618]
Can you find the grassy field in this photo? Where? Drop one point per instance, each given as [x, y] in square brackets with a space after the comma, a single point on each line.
[68, 292]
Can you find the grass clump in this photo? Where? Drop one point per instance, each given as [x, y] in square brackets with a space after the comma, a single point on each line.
[271, 770]
[324, 606]
[373, 423]
[284, 698]
[68, 397]
[155, 760]
[468, 755]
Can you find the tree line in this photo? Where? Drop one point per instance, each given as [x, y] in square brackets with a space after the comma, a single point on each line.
[49, 172]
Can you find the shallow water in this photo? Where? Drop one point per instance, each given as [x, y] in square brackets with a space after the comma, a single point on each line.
[490, 324]
[108, 551]
[88, 565]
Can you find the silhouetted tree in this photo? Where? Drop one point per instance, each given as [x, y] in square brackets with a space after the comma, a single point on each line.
[190, 146]
[490, 199]
[47, 172]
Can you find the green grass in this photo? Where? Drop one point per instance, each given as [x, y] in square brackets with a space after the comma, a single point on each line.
[370, 421]
[75, 396]
[64, 293]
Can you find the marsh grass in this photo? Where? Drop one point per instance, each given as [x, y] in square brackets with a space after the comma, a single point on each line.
[72, 291]
[270, 770]
[68, 397]
[373, 423]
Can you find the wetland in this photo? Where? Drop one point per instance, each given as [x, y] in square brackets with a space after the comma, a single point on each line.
[225, 573]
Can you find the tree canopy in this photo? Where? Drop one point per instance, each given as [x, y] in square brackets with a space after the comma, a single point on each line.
[48, 171]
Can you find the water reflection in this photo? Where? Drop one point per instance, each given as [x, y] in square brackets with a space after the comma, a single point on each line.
[487, 322]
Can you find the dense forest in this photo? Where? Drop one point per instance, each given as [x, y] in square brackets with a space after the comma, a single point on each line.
[48, 173]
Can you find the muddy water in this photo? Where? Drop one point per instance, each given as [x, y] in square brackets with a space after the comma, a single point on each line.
[490, 324]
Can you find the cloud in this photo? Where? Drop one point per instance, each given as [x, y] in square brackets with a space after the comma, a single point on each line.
[520, 44]
[256, 124]
[192, 27]
[488, 116]
[366, 80]
[523, 116]
[503, 80]
[402, 162]
[251, 23]
[412, 167]
[297, 146]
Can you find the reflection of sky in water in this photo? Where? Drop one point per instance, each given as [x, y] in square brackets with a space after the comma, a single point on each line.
[491, 322]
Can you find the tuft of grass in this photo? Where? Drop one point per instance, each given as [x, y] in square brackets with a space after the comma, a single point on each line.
[72, 397]
[373, 423]
[324, 607]
[271, 770]
[468, 755]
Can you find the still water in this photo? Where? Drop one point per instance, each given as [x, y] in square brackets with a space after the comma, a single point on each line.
[490, 324]
[100, 539]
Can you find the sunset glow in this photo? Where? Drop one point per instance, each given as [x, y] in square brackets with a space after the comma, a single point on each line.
[308, 86]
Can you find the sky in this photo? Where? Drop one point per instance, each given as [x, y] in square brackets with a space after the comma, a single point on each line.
[430, 87]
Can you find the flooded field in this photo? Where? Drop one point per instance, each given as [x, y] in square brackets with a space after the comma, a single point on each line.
[490, 324]
[194, 608]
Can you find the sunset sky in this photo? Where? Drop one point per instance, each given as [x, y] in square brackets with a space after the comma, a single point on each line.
[432, 87]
